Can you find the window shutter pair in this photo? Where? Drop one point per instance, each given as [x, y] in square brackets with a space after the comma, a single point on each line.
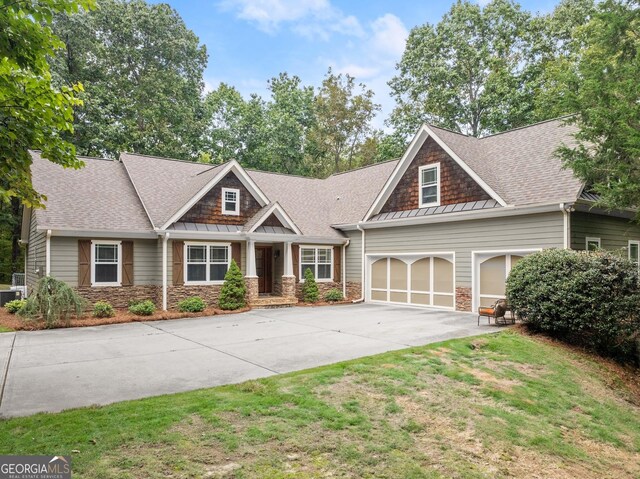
[84, 263]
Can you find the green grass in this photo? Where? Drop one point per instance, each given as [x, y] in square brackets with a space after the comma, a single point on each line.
[4, 329]
[501, 405]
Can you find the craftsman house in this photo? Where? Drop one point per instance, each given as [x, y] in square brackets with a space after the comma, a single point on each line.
[440, 227]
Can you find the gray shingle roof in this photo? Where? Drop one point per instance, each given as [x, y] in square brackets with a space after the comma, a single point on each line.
[519, 165]
[167, 185]
[96, 197]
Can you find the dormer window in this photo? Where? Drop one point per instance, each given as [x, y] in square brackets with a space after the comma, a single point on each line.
[430, 185]
[230, 201]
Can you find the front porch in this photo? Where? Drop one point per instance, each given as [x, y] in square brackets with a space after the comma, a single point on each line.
[270, 277]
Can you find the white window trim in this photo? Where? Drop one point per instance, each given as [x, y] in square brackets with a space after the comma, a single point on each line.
[316, 247]
[93, 263]
[225, 211]
[633, 242]
[207, 263]
[591, 239]
[420, 170]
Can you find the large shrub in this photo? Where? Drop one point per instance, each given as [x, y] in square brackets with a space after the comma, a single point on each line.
[143, 308]
[310, 292]
[194, 304]
[52, 300]
[233, 292]
[586, 298]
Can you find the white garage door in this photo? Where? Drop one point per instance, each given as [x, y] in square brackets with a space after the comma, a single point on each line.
[492, 270]
[416, 279]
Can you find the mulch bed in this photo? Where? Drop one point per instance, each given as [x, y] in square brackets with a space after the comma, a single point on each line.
[17, 323]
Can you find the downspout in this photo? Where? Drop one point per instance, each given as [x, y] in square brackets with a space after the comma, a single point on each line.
[47, 254]
[344, 268]
[362, 269]
[165, 239]
[566, 224]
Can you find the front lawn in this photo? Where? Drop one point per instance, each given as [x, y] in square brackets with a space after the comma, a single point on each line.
[503, 405]
[4, 329]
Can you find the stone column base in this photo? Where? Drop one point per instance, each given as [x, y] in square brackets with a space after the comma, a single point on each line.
[463, 299]
[289, 286]
[252, 288]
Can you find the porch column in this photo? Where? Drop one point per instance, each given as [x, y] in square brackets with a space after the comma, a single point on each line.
[288, 278]
[251, 279]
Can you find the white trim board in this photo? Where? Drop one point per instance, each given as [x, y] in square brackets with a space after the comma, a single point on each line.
[281, 214]
[418, 140]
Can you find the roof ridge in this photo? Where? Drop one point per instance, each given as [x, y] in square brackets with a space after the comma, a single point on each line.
[163, 158]
[527, 126]
[360, 168]
[431, 125]
[282, 174]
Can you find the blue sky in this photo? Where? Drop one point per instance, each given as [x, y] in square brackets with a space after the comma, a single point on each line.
[250, 41]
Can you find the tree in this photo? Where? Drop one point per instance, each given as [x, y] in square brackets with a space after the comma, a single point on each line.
[469, 73]
[34, 114]
[142, 71]
[234, 290]
[310, 293]
[606, 100]
[343, 123]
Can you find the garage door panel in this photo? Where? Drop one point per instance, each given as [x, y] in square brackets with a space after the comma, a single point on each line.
[443, 300]
[397, 297]
[486, 301]
[379, 274]
[442, 275]
[422, 281]
[420, 275]
[492, 276]
[398, 274]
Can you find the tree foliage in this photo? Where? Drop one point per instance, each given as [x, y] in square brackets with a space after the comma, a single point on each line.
[310, 293]
[141, 68]
[603, 92]
[34, 114]
[53, 301]
[233, 292]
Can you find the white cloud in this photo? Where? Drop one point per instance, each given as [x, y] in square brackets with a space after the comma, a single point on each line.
[309, 18]
[389, 35]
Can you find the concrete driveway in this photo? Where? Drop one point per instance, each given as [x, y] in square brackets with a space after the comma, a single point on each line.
[64, 368]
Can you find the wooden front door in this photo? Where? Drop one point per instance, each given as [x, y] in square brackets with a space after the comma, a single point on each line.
[264, 255]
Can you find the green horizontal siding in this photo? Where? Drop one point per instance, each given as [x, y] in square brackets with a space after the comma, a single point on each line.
[614, 233]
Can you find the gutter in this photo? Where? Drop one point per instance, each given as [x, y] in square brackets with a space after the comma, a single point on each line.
[165, 239]
[567, 209]
[362, 271]
[344, 268]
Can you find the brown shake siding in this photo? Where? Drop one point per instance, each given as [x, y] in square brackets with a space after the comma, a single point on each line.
[456, 186]
[209, 209]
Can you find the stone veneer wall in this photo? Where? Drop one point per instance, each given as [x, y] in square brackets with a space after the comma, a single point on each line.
[463, 299]
[119, 296]
[175, 294]
[353, 289]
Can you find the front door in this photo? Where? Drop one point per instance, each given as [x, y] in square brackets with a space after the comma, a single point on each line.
[263, 268]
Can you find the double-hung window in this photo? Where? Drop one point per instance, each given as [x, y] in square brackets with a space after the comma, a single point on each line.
[206, 262]
[106, 266]
[430, 185]
[230, 201]
[592, 244]
[319, 260]
[634, 252]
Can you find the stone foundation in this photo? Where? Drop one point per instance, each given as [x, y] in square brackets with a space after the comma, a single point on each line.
[175, 294]
[463, 299]
[353, 289]
[289, 286]
[252, 287]
[120, 296]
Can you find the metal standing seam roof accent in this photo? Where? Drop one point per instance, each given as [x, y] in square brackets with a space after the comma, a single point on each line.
[585, 195]
[278, 230]
[211, 228]
[437, 210]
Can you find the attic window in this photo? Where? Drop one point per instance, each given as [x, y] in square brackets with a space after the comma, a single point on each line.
[230, 201]
[429, 185]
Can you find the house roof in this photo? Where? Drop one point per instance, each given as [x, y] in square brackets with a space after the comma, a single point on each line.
[520, 164]
[143, 193]
[96, 197]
